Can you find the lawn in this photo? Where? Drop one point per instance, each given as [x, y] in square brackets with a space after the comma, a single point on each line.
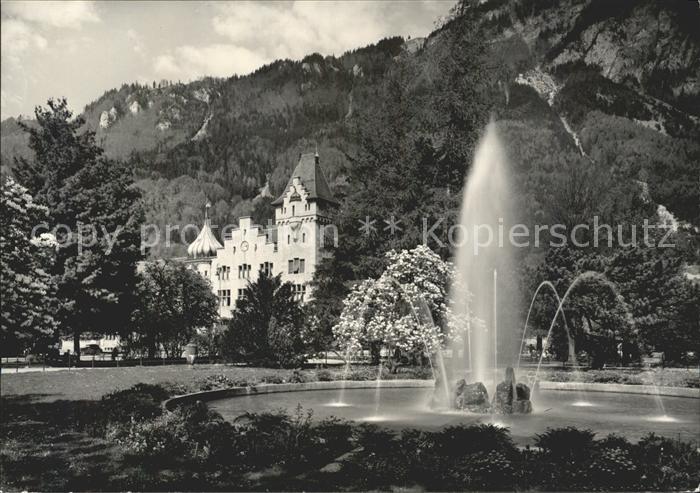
[93, 383]
[90, 384]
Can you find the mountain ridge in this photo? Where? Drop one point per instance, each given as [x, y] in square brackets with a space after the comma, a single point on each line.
[223, 139]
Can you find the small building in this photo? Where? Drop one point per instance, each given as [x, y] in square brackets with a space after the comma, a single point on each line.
[107, 343]
[293, 246]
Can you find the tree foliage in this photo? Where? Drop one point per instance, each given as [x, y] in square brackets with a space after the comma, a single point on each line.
[28, 290]
[96, 213]
[266, 326]
[173, 302]
[406, 309]
[637, 296]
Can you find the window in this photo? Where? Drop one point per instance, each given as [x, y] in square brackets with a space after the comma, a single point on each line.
[244, 271]
[292, 210]
[223, 272]
[224, 297]
[299, 292]
[241, 292]
[303, 237]
[288, 239]
[266, 268]
[296, 266]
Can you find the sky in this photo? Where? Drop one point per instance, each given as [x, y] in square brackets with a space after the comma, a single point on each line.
[80, 49]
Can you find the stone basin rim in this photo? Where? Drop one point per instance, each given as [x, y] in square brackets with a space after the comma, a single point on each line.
[265, 388]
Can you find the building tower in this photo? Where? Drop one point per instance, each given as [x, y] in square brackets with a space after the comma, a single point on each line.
[291, 248]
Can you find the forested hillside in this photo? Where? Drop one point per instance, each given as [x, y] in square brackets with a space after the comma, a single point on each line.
[584, 91]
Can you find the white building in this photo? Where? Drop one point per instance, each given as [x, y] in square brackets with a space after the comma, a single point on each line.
[107, 343]
[292, 247]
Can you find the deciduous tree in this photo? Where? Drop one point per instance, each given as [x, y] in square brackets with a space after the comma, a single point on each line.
[173, 302]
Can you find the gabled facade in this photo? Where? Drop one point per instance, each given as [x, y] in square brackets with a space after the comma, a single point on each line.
[292, 247]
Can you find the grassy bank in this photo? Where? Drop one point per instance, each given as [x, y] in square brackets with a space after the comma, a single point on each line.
[662, 377]
[93, 383]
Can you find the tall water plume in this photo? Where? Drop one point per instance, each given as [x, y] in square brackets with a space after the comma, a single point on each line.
[483, 249]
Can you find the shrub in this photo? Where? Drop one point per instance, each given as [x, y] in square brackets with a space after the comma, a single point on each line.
[602, 377]
[460, 441]
[613, 468]
[334, 435]
[285, 346]
[161, 437]
[613, 441]
[211, 382]
[693, 382]
[272, 379]
[566, 443]
[324, 376]
[420, 372]
[190, 433]
[362, 374]
[381, 462]
[276, 437]
[214, 438]
[142, 401]
[485, 470]
[666, 463]
[297, 377]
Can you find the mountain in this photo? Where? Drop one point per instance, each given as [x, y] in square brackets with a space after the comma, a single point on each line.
[610, 82]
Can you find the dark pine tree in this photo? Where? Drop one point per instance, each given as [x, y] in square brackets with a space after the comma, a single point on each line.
[265, 328]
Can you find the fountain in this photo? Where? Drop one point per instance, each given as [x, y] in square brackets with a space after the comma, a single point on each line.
[377, 393]
[483, 269]
[341, 396]
[529, 311]
[486, 208]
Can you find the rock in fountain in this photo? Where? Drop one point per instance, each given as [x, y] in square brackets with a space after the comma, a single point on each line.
[510, 397]
[472, 397]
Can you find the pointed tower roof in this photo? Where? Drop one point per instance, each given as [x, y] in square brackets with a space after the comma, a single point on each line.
[309, 172]
[206, 244]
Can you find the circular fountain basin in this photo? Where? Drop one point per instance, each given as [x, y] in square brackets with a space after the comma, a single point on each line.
[629, 415]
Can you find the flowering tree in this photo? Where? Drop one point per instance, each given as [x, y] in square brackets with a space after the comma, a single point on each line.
[28, 290]
[406, 309]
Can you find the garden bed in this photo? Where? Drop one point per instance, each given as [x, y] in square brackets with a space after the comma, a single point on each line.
[126, 442]
[661, 377]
